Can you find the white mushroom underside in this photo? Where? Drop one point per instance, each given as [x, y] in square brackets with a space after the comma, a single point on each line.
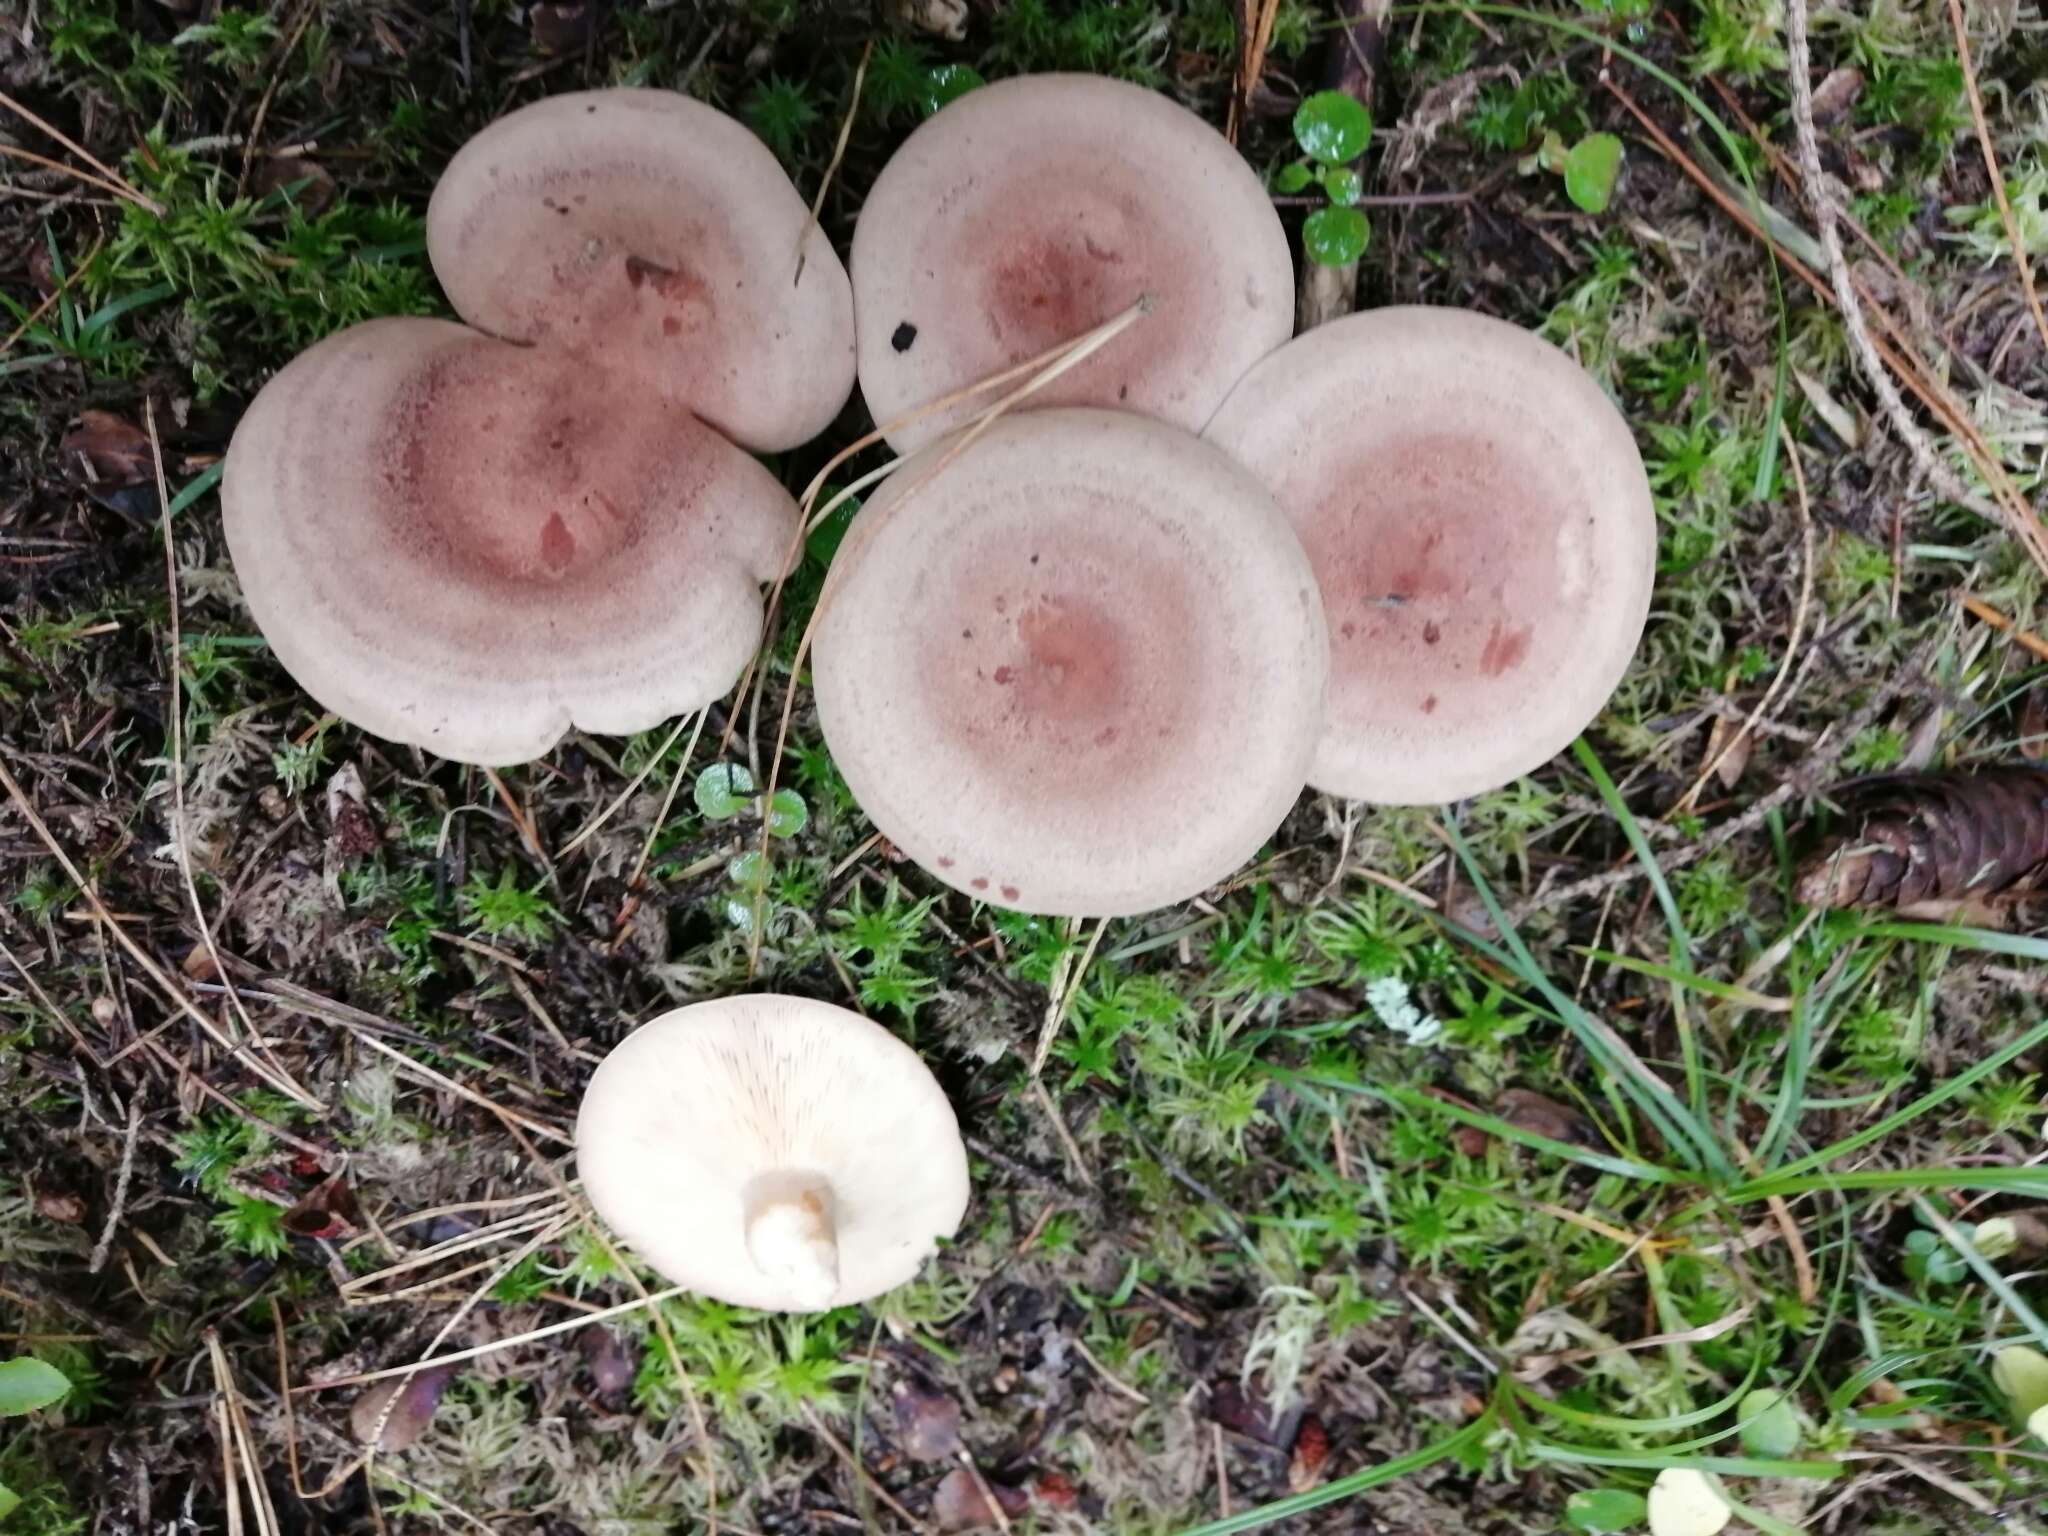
[772, 1152]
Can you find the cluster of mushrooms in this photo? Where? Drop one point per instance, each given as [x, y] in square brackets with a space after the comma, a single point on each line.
[1077, 661]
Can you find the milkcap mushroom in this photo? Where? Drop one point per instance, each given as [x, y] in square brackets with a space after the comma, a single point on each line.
[472, 546]
[650, 230]
[1076, 668]
[1481, 528]
[1029, 211]
[772, 1152]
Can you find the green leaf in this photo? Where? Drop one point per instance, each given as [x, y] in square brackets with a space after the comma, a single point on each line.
[1334, 236]
[28, 1384]
[1332, 127]
[1606, 1509]
[1590, 169]
[749, 870]
[10, 1501]
[948, 83]
[1770, 1424]
[1344, 185]
[1293, 178]
[787, 813]
[722, 790]
[825, 539]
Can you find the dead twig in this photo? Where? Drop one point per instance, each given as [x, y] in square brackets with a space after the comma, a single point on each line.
[101, 1248]
[2012, 228]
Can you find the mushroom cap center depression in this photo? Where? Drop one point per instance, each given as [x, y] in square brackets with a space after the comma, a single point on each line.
[1063, 646]
[1450, 565]
[515, 467]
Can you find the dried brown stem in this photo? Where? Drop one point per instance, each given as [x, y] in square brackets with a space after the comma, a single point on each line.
[2012, 228]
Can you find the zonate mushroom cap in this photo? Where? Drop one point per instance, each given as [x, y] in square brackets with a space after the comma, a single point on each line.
[772, 1152]
[630, 222]
[1481, 528]
[471, 546]
[1029, 211]
[1078, 668]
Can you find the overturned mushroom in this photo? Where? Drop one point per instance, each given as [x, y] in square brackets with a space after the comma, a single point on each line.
[1482, 532]
[1076, 668]
[472, 546]
[652, 231]
[1032, 210]
[772, 1152]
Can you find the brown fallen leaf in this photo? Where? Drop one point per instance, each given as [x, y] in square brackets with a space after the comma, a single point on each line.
[1311, 1451]
[329, 1210]
[1728, 748]
[1836, 94]
[108, 450]
[60, 1205]
[611, 1368]
[307, 184]
[927, 1421]
[412, 1401]
[1528, 1110]
[565, 26]
[1468, 1139]
[1928, 843]
[959, 1504]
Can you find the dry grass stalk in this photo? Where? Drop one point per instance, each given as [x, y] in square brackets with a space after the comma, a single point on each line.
[2012, 228]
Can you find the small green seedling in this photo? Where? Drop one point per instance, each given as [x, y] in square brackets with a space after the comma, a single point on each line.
[1930, 1260]
[724, 790]
[1333, 131]
[1606, 1509]
[26, 1385]
[1589, 167]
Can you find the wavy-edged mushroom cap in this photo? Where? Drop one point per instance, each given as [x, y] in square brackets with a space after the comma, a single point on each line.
[772, 1152]
[1078, 669]
[472, 546]
[633, 221]
[1034, 209]
[1481, 527]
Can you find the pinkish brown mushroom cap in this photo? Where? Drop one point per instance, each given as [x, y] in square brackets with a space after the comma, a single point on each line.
[634, 223]
[772, 1152]
[1030, 211]
[1482, 531]
[1078, 669]
[472, 546]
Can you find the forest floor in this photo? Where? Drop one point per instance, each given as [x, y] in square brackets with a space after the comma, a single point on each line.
[1260, 1231]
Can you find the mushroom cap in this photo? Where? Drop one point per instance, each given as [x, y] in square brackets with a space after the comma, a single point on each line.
[1481, 527]
[472, 546]
[697, 1131]
[1029, 211]
[623, 221]
[1076, 669]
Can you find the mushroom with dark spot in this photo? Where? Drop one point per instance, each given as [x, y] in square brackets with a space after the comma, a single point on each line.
[1029, 211]
[1478, 473]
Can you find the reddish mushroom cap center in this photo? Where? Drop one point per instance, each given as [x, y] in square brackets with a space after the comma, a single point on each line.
[1448, 570]
[519, 467]
[1068, 651]
[1056, 260]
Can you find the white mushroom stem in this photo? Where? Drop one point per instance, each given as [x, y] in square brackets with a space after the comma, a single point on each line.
[792, 1238]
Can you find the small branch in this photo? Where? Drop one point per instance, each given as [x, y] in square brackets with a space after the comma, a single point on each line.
[2012, 228]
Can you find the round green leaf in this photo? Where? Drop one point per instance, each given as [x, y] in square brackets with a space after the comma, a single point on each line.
[1590, 169]
[1344, 185]
[28, 1384]
[1605, 1509]
[1334, 236]
[787, 813]
[1292, 178]
[1332, 127]
[948, 82]
[1770, 1424]
[748, 871]
[722, 790]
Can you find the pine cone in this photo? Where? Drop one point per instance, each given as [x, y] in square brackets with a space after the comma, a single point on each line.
[1935, 838]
